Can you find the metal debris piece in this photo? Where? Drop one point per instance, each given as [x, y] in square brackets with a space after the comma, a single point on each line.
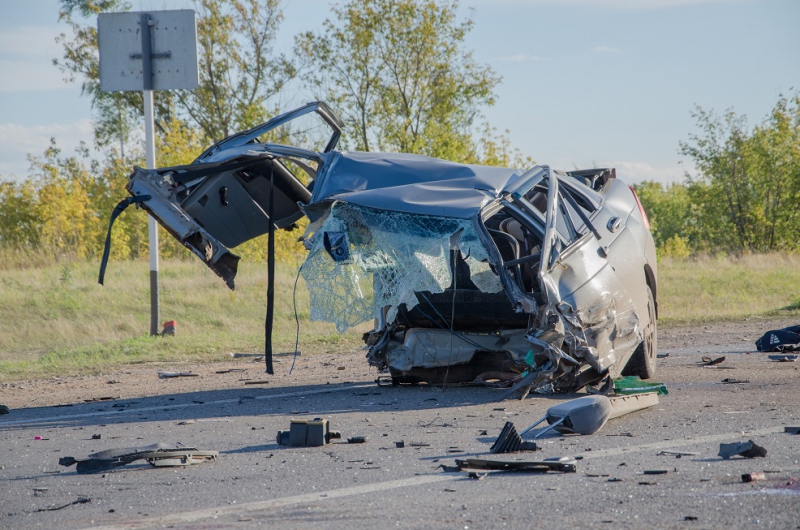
[747, 449]
[732, 381]
[259, 382]
[357, 440]
[510, 441]
[792, 430]
[541, 466]
[656, 471]
[752, 477]
[169, 375]
[156, 455]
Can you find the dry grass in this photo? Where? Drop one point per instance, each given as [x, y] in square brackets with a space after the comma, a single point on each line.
[726, 288]
[56, 319]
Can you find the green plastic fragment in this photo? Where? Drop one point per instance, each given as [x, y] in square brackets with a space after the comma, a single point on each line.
[634, 385]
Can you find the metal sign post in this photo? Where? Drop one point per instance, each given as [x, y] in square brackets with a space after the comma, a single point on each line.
[148, 51]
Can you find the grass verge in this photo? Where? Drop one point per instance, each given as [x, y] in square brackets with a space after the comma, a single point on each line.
[56, 319]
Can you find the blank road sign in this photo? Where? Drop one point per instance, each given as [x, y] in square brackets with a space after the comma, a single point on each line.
[173, 46]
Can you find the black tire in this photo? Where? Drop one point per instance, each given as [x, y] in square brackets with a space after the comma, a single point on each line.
[643, 360]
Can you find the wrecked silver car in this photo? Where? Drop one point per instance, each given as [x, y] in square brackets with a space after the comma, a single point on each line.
[541, 277]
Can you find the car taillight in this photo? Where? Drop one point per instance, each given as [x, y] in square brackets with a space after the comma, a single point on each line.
[641, 208]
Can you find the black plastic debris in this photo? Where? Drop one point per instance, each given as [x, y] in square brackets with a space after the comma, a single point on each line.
[510, 441]
[4, 409]
[782, 340]
[157, 455]
[792, 430]
[540, 466]
[747, 449]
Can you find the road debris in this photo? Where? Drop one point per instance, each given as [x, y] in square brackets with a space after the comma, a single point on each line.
[708, 361]
[792, 430]
[540, 466]
[783, 358]
[259, 382]
[782, 340]
[79, 500]
[634, 385]
[676, 454]
[510, 441]
[307, 433]
[588, 414]
[733, 381]
[169, 375]
[157, 455]
[4, 409]
[357, 440]
[747, 449]
[656, 471]
[752, 477]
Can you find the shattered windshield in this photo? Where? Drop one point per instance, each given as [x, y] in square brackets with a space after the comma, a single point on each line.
[362, 260]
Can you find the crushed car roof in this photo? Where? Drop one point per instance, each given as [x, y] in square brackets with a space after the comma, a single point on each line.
[410, 183]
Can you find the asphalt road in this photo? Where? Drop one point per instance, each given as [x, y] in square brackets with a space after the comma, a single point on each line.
[257, 483]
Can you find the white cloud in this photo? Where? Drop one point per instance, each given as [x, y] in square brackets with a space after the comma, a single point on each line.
[605, 49]
[521, 58]
[26, 59]
[635, 172]
[17, 141]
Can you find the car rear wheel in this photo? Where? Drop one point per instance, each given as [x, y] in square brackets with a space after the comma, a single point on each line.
[643, 360]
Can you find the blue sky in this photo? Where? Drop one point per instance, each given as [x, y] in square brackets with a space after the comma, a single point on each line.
[585, 82]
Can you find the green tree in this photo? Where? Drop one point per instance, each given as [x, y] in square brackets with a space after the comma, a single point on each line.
[748, 186]
[399, 74]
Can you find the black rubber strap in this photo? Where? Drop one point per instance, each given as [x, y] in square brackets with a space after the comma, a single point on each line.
[270, 278]
[124, 203]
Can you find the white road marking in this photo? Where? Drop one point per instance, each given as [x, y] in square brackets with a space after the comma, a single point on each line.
[667, 444]
[241, 509]
[238, 509]
[135, 410]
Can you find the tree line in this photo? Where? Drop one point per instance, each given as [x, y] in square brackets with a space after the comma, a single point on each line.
[745, 194]
[402, 79]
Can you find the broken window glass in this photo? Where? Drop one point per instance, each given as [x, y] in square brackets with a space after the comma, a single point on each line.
[364, 260]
